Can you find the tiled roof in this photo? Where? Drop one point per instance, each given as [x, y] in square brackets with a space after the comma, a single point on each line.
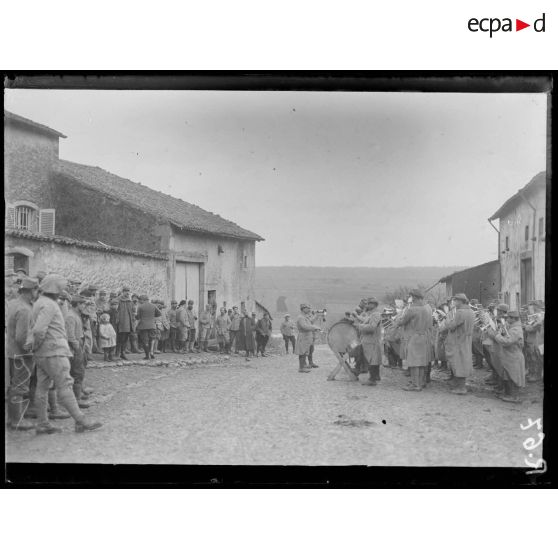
[21, 233]
[16, 118]
[538, 181]
[450, 276]
[179, 213]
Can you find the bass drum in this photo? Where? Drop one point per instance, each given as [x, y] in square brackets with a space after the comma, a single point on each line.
[342, 337]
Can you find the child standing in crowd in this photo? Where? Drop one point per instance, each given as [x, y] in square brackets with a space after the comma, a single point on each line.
[107, 336]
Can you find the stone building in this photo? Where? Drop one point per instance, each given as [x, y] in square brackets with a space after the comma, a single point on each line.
[481, 282]
[87, 223]
[521, 241]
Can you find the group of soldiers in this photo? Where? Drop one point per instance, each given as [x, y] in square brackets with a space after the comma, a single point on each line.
[457, 336]
[45, 343]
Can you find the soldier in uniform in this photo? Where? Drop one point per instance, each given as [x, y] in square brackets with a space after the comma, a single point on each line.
[534, 337]
[370, 329]
[305, 337]
[510, 341]
[235, 326]
[417, 322]
[205, 328]
[20, 360]
[459, 342]
[146, 328]
[478, 354]
[222, 324]
[173, 326]
[76, 341]
[51, 351]
[496, 350]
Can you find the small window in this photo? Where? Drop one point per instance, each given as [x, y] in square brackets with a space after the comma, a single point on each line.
[21, 261]
[526, 233]
[24, 217]
[245, 263]
[507, 242]
[541, 227]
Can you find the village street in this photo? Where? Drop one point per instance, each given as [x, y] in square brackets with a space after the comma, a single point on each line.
[265, 412]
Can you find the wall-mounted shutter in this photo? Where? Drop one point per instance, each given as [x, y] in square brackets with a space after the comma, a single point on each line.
[10, 216]
[46, 221]
[8, 263]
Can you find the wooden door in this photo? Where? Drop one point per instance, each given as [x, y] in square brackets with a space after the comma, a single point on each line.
[526, 280]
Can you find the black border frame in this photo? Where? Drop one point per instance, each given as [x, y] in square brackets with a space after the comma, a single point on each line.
[30, 475]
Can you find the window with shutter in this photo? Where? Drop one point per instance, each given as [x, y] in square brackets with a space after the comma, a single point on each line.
[46, 221]
[8, 263]
[10, 216]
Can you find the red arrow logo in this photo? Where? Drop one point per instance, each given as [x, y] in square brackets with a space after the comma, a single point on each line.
[519, 25]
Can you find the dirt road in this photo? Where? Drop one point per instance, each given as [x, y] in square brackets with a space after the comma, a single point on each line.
[264, 412]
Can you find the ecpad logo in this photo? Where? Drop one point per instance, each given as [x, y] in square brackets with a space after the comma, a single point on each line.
[494, 24]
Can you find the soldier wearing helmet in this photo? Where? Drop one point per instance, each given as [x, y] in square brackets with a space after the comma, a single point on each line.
[50, 347]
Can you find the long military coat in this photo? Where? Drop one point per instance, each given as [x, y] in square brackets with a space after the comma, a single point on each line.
[417, 324]
[370, 337]
[459, 342]
[511, 354]
[305, 336]
[440, 336]
[245, 337]
[126, 315]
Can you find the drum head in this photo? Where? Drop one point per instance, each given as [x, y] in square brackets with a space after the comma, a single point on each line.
[341, 335]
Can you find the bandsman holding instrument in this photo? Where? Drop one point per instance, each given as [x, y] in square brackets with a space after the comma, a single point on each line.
[534, 338]
[440, 337]
[417, 321]
[370, 329]
[305, 337]
[509, 340]
[478, 355]
[459, 342]
[488, 318]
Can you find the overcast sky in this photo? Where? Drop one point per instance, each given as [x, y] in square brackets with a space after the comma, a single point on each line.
[327, 178]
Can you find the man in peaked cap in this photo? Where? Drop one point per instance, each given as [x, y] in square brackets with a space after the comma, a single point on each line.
[459, 342]
[510, 340]
[287, 331]
[370, 329]
[76, 341]
[305, 337]
[417, 321]
[534, 338]
[20, 358]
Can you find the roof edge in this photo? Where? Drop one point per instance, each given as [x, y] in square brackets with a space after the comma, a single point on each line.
[444, 279]
[67, 241]
[509, 203]
[18, 119]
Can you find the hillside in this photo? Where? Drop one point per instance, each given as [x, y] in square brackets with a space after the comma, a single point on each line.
[338, 289]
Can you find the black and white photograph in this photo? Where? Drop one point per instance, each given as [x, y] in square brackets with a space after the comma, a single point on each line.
[287, 277]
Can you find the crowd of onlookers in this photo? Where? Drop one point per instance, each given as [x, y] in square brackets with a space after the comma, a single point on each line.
[54, 327]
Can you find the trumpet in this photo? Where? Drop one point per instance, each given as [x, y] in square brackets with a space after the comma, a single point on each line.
[485, 320]
[532, 319]
[439, 315]
[502, 327]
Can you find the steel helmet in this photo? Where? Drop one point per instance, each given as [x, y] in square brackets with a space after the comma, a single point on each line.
[53, 284]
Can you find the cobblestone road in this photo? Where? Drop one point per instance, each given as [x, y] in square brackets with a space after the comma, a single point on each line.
[264, 412]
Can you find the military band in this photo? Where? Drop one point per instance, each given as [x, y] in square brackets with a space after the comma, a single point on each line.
[458, 336]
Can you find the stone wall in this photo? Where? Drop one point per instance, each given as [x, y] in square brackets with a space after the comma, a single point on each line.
[88, 215]
[513, 226]
[223, 272]
[28, 159]
[110, 270]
